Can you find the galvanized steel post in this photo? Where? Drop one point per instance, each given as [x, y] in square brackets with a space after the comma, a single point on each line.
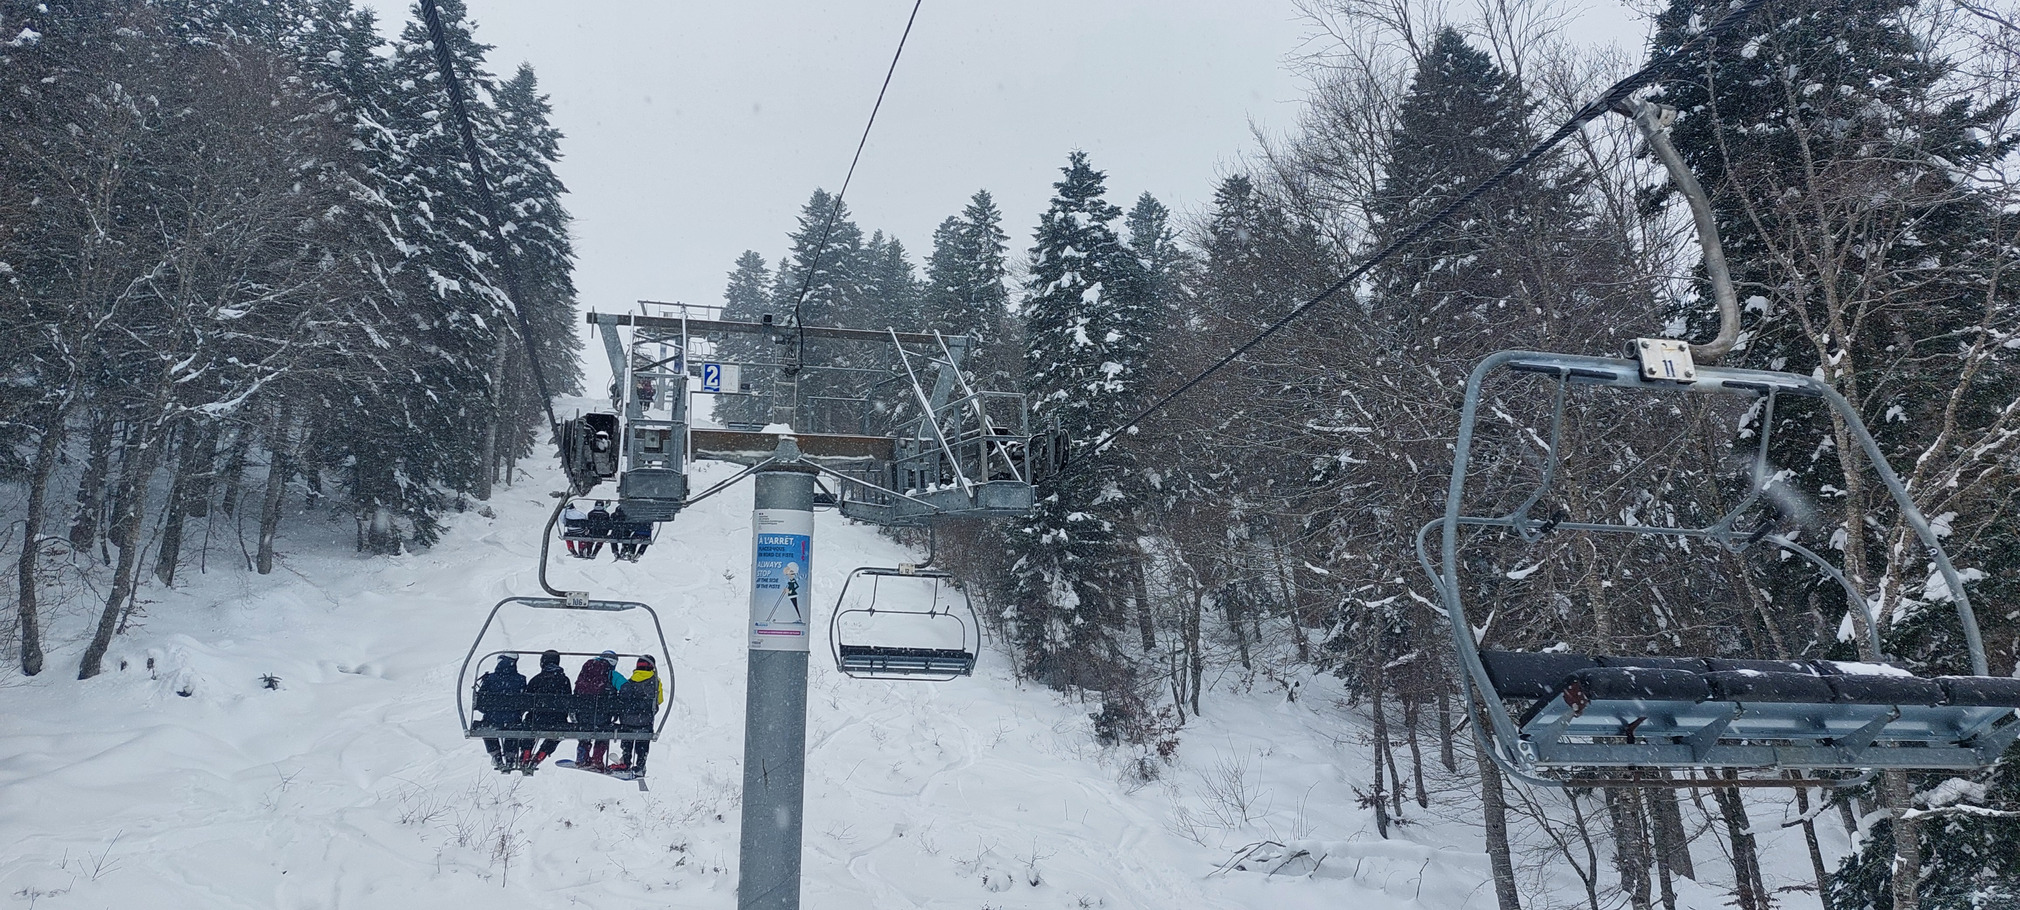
[775, 716]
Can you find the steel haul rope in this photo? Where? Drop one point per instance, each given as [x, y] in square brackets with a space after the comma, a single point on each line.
[1614, 96]
[502, 249]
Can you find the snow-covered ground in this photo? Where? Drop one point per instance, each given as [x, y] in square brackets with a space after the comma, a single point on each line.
[177, 779]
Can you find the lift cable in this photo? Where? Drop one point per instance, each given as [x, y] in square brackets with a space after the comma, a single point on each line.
[514, 295]
[1611, 100]
[806, 284]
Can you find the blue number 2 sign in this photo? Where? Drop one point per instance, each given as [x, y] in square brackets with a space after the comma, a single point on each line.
[711, 377]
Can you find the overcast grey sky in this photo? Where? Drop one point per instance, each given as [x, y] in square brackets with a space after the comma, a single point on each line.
[696, 130]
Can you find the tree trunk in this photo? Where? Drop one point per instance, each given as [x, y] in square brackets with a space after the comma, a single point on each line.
[1232, 602]
[1494, 804]
[270, 508]
[1630, 845]
[1816, 850]
[1411, 711]
[1377, 799]
[1194, 660]
[203, 482]
[1447, 755]
[91, 486]
[31, 540]
[1672, 843]
[132, 496]
[1747, 892]
[192, 459]
[1146, 626]
[1897, 796]
[234, 473]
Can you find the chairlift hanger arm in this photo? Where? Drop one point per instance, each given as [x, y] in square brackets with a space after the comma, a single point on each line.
[1653, 121]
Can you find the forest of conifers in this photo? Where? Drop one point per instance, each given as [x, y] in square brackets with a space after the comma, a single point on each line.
[243, 276]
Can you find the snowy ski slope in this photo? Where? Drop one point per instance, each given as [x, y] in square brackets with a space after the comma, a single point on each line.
[351, 786]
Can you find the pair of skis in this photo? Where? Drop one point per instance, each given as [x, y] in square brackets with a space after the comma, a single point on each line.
[623, 774]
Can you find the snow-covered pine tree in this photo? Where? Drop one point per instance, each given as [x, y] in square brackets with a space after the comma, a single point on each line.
[1166, 266]
[747, 298]
[1843, 149]
[452, 316]
[819, 284]
[1246, 438]
[965, 291]
[530, 195]
[1513, 269]
[1085, 370]
[890, 287]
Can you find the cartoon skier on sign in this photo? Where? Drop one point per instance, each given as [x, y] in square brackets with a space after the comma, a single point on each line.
[791, 593]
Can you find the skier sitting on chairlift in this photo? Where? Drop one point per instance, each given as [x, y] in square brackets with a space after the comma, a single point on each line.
[574, 524]
[641, 537]
[620, 532]
[551, 680]
[645, 392]
[594, 680]
[596, 525]
[628, 539]
[504, 679]
[645, 688]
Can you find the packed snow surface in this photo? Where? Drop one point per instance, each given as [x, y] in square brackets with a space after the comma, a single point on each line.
[178, 779]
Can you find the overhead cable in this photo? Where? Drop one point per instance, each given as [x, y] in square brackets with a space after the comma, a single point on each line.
[501, 248]
[1614, 96]
[834, 211]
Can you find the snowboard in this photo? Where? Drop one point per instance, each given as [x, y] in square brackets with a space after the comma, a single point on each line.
[620, 775]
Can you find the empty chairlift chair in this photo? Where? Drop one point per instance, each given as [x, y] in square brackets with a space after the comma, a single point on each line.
[1577, 719]
[926, 629]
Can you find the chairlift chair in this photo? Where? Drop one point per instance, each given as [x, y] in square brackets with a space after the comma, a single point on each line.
[610, 530]
[1589, 715]
[921, 652]
[581, 459]
[589, 716]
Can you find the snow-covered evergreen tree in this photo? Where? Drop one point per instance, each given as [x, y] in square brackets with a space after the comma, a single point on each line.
[966, 292]
[453, 314]
[1083, 307]
[529, 196]
[747, 298]
[819, 283]
[891, 288]
[1166, 266]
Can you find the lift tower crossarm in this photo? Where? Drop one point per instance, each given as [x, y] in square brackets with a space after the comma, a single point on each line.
[708, 326]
